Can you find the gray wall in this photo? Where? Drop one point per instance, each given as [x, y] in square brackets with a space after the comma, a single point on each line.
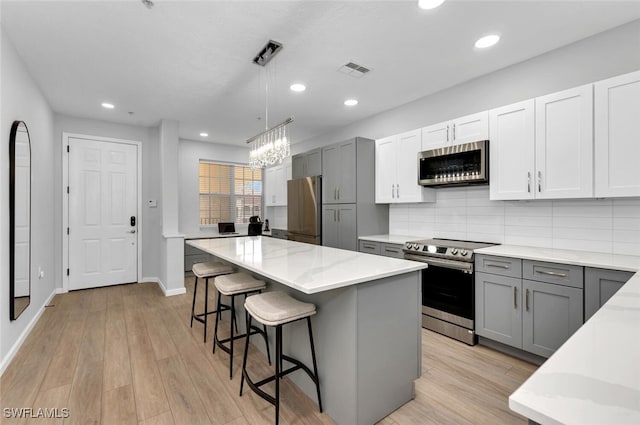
[22, 100]
[190, 154]
[151, 220]
[601, 56]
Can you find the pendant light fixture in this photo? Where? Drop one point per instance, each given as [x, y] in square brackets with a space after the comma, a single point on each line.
[272, 145]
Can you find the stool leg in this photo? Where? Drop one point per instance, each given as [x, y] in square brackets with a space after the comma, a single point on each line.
[278, 369]
[206, 306]
[233, 317]
[266, 342]
[315, 365]
[244, 357]
[193, 303]
[215, 329]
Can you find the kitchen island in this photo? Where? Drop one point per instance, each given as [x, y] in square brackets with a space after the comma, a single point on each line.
[367, 328]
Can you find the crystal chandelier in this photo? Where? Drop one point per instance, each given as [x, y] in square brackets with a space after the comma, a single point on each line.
[272, 145]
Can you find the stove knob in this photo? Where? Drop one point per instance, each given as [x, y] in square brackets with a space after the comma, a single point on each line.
[454, 251]
[416, 246]
[464, 252]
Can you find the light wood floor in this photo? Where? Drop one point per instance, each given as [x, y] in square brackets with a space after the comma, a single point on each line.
[126, 355]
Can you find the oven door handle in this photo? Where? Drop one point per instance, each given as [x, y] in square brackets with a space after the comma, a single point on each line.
[439, 262]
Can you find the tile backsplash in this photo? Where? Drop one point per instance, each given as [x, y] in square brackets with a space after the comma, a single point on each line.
[600, 225]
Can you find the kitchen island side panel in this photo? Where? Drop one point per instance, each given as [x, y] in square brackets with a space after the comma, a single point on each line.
[389, 344]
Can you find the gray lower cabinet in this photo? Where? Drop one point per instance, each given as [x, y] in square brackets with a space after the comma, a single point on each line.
[392, 250]
[193, 256]
[599, 286]
[339, 226]
[552, 313]
[498, 308]
[370, 247]
[381, 248]
[537, 316]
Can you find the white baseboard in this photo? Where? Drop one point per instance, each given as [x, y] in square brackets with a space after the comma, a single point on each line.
[61, 291]
[25, 333]
[167, 293]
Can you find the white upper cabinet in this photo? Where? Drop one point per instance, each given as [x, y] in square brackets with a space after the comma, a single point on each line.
[564, 144]
[275, 191]
[397, 170]
[470, 128]
[617, 148]
[511, 151]
[543, 148]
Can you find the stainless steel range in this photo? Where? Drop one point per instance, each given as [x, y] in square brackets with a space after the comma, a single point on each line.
[448, 290]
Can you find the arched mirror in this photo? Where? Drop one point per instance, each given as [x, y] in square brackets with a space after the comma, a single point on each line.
[20, 219]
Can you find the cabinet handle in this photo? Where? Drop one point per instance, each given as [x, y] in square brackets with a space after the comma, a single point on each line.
[454, 132]
[338, 193]
[398, 191]
[526, 299]
[447, 133]
[500, 266]
[335, 190]
[338, 215]
[392, 193]
[515, 297]
[528, 181]
[539, 181]
[334, 215]
[557, 274]
[394, 251]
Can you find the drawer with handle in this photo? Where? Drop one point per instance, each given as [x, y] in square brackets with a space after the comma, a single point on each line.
[392, 250]
[369, 247]
[502, 266]
[561, 274]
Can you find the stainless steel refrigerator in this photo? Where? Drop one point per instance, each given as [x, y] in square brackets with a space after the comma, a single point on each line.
[304, 210]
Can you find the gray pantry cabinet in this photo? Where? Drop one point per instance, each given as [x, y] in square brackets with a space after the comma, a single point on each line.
[531, 305]
[306, 164]
[599, 286]
[348, 194]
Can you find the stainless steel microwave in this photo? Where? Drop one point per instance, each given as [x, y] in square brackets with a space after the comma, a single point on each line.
[458, 165]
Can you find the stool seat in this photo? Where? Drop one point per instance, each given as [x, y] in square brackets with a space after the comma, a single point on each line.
[238, 283]
[211, 268]
[277, 308]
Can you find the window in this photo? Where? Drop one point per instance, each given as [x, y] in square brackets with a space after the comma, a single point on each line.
[229, 193]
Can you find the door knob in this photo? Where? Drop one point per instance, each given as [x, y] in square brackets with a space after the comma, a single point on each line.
[131, 231]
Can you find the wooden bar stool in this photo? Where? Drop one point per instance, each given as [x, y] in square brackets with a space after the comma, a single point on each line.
[278, 309]
[206, 271]
[232, 285]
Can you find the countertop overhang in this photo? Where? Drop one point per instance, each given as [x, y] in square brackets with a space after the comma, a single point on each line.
[307, 268]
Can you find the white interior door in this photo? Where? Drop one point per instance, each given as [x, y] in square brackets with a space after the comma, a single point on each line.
[103, 220]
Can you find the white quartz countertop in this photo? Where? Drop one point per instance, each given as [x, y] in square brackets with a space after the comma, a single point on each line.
[397, 239]
[304, 267]
[594, 377]
[628, 263]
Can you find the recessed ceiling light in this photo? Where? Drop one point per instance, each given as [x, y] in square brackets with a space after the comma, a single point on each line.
[487, 41]
[429, 4]
[107, 105]
[298, 87]
[204, 134]
[351, 102]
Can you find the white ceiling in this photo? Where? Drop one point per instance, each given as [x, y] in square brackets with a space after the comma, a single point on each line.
[191, 60]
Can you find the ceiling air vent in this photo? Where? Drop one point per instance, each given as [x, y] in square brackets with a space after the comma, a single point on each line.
[354, 70]
[267, 53]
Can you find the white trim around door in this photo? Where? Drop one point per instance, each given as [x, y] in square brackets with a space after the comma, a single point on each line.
[65, 200]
